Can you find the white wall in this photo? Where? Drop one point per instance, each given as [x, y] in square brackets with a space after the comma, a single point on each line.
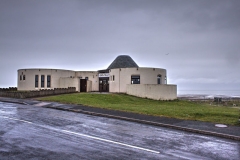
[92, 76]
[59, 79]
[29, 83]
[66, 82]
[153, 91]
[89, 86]
[123, 77]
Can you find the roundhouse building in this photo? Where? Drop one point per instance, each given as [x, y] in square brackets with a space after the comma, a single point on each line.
[122, 76]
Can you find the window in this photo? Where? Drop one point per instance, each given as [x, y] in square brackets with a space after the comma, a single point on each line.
[42, 81]
[24, 78]
[86, 78]
[113, 77]
[165, 80]
[48, 81]
[20, 77]
[159, 79]
[135, 79]
[36, 81]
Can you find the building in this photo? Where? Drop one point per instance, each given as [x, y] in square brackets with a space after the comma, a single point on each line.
[122, 76]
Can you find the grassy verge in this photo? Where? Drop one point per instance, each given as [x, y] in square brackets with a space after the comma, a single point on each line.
[176, 109]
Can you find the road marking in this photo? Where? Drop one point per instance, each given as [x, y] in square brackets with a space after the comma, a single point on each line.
[17, 119]
[110, 141]
[88, 136]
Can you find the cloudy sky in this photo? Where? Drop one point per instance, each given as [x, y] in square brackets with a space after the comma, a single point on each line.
[197, 41]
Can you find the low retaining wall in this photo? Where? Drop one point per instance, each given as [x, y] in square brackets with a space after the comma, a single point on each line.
[39, 93]
[8, 89]
[153, 91]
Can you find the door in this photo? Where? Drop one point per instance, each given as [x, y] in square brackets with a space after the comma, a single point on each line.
[103, 85]
[83, 85]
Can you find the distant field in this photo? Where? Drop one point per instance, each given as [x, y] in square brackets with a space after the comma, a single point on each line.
[181, 109]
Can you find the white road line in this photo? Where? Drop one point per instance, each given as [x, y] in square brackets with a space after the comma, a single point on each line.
[110, 141]
[17, 119]
[88, 136]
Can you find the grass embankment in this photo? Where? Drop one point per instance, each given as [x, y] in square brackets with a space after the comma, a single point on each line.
[180, 109]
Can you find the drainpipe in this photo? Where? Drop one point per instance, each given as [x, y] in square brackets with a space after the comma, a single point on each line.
[119, 79]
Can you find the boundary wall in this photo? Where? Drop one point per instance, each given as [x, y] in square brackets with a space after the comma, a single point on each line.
[39, 93]
[153, 91]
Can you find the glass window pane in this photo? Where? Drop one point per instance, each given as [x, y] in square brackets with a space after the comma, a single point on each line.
[135, 79]
[42, 81]
[48, 81]
[36, 81]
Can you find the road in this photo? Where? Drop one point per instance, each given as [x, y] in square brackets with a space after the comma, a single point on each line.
[33, 132]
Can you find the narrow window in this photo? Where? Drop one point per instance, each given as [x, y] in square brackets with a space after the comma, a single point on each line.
[165, 80]
[48, 81]
[42, 81]
[113, 78]
[135, 79]
[36, 81]
[159, 79]
[86, 78]
[24, 78]
[20, 77]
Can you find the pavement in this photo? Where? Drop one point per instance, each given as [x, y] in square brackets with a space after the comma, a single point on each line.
[206, 128]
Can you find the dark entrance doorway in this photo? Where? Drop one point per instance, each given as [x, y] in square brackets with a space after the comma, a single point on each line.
[103, 84]
[83, 85]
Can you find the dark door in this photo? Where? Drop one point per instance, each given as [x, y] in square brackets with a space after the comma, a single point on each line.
[83, 85]
[103, 85]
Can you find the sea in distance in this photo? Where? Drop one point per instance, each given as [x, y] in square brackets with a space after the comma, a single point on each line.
[209, 94]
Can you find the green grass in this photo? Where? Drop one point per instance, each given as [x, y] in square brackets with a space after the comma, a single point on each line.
[180, 109]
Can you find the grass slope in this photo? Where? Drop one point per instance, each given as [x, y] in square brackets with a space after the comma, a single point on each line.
[176, 109]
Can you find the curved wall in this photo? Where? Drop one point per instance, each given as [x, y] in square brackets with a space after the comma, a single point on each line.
[59, 78]
[29, 82]
[122, 77]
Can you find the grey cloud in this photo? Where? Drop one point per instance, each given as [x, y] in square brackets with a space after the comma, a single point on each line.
[201, 36]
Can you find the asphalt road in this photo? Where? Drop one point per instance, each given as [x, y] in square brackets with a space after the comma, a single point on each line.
[33, 132]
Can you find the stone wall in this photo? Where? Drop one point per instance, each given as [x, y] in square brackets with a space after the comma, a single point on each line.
[153, 91]
[39, 93]
[8, 89]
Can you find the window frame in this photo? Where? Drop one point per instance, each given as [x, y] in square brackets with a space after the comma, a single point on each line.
[135, 79]
[159, 79]
[48, 81]
[42, 81]
[36, 81]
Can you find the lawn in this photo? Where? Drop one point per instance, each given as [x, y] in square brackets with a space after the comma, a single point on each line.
[180, 109]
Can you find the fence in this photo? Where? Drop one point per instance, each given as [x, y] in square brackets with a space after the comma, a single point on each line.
[13, 93]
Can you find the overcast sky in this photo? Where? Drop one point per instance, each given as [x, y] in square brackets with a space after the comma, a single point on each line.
[197, 41]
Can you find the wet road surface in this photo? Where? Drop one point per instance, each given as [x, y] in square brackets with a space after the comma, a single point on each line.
[33, 132]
